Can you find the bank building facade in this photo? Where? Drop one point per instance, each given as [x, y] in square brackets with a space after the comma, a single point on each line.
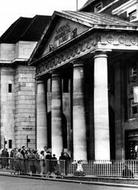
[86, 82]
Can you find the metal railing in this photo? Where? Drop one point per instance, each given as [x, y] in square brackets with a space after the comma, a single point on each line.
[127, 168]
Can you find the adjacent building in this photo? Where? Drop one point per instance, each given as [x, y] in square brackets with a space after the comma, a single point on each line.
[17, 82]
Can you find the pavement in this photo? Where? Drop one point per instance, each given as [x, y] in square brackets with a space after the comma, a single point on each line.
[91, 180]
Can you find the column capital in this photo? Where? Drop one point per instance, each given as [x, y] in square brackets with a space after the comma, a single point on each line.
[101, 52]
[55, 74]
[40, 81]
[78, 63]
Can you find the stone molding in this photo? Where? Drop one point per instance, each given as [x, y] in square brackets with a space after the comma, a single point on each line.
[118, 40]
[97, 41]
[101, 54]
[40, 81]
[123, 8]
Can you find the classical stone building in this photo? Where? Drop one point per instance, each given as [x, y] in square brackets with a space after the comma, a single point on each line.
[17, 82]
[72, 83]
[87, 82]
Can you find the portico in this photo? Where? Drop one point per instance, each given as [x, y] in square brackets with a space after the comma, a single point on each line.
[81, 76]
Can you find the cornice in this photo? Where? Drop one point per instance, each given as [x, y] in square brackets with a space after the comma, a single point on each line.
[91, 31]
[98, 40]
[122, 8]
[107, 6]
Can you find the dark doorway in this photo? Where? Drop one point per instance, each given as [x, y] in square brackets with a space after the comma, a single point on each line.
[112, 132]
[49, 129]
[64, 130]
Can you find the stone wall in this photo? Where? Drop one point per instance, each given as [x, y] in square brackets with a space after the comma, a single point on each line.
[25, 106]
[7, 105]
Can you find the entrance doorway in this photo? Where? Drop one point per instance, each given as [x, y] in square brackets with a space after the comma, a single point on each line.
[131, 144]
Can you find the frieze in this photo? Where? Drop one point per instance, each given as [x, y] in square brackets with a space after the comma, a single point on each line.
[111, 40]
[116, 39]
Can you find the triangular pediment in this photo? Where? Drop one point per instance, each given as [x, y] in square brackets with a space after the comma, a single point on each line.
[66, 26]
[65, 29]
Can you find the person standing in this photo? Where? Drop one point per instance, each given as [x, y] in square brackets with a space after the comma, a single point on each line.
[42, 163]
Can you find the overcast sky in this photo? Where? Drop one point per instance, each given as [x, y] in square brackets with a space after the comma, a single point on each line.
[11, 10]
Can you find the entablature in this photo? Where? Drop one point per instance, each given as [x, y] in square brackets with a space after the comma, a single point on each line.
[96, 39]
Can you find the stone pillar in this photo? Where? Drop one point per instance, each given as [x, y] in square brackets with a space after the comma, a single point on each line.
[118, 111]
[57, 141]
[101, 109]
[41, 116]
[79, 123]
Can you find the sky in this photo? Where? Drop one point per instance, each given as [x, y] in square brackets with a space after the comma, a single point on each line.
[11, 10]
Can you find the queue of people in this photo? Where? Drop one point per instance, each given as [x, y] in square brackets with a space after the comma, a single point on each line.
[29, 161]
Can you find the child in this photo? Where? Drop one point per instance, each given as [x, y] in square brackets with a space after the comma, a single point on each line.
[79, 170]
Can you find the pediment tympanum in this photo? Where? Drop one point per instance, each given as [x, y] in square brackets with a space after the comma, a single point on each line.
[64, 31]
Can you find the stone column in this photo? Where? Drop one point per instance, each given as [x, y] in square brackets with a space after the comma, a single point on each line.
[57, 141]
[101, 109]
[79, 124]
[118, 112]
[41, 116]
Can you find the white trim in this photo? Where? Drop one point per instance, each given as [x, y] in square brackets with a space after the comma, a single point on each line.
[14, 60]
[109, 5]
[123, 7]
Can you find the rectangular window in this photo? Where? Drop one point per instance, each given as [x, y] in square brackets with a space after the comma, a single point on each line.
[134, 108]
[9, 88]
[132, 90]
[98, 7]
[133, 73]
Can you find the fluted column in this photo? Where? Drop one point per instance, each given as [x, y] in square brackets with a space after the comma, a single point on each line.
[57, 141]
[79, 124]
[101, 110]
[41, 116]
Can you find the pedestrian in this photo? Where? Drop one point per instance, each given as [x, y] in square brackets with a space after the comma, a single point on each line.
[53, 164]
[45, 150]
[62, 162]
[18, 163]
[127, 173]
[79, 170]
[48, 163]
[37, 161]
[5, 158]
[32, 160]
[67, 162]
[42, 163]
